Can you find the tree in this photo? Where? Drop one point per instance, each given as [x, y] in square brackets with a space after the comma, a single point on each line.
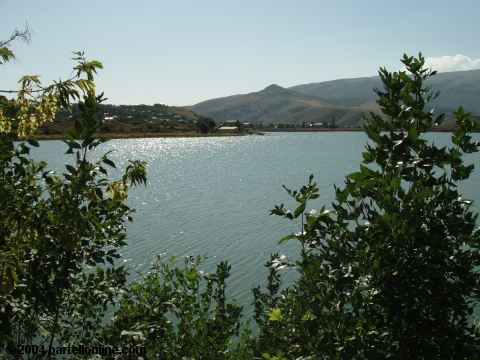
[59, 234]
[391, 270]
[205, 124]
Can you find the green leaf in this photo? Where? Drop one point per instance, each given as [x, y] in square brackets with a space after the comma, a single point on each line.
[274, 314]
[71, 169]
[278, 210]
[413, 134]
[286, 238]
[109, 162]
[299, 210]
[356, 176]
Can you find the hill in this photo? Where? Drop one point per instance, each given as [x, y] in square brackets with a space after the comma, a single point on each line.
[456, 88]
[344, 99]
[130, 119]
[274, 105]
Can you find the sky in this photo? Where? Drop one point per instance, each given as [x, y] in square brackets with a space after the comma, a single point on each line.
[182, 52]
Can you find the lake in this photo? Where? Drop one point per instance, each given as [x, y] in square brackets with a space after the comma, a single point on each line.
[211, 196]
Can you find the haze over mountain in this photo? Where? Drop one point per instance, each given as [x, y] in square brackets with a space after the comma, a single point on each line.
[344, 99]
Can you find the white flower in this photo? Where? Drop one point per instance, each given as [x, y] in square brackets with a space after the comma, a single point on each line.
[312, 213]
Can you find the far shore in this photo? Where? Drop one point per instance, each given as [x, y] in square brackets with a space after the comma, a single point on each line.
[136, 135]
[180, 134]
[183, 134]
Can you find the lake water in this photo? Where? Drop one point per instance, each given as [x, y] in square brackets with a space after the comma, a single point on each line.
[211, 196]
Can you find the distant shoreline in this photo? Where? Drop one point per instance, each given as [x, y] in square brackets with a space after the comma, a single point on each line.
[313, 130]
[181, 134]
[142, 135]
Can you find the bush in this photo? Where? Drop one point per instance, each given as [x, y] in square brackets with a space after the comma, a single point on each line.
[391, 270]
[205, 124]
[178, 312]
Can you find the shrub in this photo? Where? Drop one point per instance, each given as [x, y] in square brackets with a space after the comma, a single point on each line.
[178, 312]
[391, 270]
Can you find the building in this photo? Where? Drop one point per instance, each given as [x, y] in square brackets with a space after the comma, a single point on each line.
[228, 129]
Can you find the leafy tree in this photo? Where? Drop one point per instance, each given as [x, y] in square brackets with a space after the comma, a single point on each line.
[391, 270]
[205, 124]
[59, 234]
[178, 312]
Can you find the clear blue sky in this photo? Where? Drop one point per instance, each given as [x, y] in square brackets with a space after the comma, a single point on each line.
[181, 52]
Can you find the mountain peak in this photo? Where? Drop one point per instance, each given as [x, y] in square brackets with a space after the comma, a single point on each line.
[274, 89]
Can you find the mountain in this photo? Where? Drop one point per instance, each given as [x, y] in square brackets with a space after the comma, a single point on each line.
[351, 92]
[456, 88]
[344, 99]
[275, 104]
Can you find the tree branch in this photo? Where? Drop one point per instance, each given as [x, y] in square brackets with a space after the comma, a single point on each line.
[24, 35]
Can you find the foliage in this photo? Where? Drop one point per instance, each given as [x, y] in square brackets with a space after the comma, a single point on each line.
[59, 234]
[178, 312]
[205, 124]
[391, 271]
[6, 53]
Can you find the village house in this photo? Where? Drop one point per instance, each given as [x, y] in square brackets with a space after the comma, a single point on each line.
[229, 126]
[228, 129]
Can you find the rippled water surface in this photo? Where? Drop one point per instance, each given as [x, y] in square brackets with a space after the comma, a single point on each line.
[212, 196]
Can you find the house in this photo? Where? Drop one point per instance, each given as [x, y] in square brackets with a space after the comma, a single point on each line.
[228, 129]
